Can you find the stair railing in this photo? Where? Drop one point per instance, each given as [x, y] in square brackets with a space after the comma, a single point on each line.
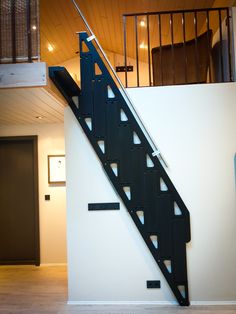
[156, 151]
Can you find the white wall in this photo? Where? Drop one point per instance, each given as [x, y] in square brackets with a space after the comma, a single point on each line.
[194, 126]
[52, 213]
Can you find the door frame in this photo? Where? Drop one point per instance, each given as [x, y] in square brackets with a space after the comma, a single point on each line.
[34, 140]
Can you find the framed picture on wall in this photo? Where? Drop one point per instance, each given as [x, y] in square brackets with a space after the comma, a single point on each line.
[56, 169]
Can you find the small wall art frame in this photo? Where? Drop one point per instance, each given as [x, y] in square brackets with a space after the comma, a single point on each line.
[56, 169]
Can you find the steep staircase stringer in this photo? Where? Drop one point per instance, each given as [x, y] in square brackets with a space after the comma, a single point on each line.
[126, 155]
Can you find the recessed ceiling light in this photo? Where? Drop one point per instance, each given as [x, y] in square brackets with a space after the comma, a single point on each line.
[39, 117]
[50, 47]
[142, 46]
[142, 24]
[34, 27]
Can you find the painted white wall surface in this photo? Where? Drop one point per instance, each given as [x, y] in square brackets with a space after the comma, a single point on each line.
[194, 126]
[52, 214]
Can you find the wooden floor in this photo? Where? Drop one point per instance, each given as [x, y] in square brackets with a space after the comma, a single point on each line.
[29, 289]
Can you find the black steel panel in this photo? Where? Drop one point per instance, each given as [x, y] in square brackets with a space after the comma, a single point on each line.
[86, 97]
[99, 108]
[164, 213]
[137, 169]
[179, 252]
[124, 145]
[112, 125]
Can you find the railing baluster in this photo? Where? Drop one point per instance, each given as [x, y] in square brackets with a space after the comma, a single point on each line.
[221, 47]
[125, 51]
[13, 30]
[0, 34]
[136, 40]
[28, 22]
[160, 42]
[229, 44]
[208, 44]
[184, 43]
[172, 48]
[197, 75]
[149, 61]
[196, 47]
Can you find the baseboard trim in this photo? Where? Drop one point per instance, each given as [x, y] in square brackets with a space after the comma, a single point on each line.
[53, 264]
[122, 303]
[199, 303]
[213, 302]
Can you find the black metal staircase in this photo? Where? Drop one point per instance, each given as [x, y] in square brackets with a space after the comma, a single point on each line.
[126, 155]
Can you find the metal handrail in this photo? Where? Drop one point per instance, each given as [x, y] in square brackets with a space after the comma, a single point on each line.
[156, 151]
[176, 11]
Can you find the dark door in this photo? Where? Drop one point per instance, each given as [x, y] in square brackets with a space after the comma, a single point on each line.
[19, 222]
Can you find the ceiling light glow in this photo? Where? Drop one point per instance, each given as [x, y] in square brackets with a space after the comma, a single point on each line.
[50, 47]
[34, 27]
[143, 46]
[142, 24]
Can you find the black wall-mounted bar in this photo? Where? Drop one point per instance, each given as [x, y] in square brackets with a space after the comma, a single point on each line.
[103, 206]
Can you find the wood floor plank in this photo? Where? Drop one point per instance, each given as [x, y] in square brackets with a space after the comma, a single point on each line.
[30, 289]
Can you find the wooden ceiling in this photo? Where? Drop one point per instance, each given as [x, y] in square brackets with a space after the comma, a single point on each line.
[59, 22]
[24, 105]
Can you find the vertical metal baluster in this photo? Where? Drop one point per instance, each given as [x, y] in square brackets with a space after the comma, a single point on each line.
[13, 30]
[136, 40]
[38, 32]
[221, 47]
[28, 22]
[149, 61]
[0, 34]
[196, 48]
[184, 43]
[172, 48]
[208, 44]
[229, 44]
[160, 40]
[125, 51]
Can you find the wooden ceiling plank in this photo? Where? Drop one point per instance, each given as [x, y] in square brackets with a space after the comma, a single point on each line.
[108, 29]
[57, 54]
[20, 103]
[9, 116]
[14, 113]
[54, 33]
[45, 55]
[70, 30]
[46, 98]
[98, 30]
[40, 105]
[109, 25]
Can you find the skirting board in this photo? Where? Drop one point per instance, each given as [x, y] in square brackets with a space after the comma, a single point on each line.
[149, 303]
[213, 302]
[122, 303]
[52, 264]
